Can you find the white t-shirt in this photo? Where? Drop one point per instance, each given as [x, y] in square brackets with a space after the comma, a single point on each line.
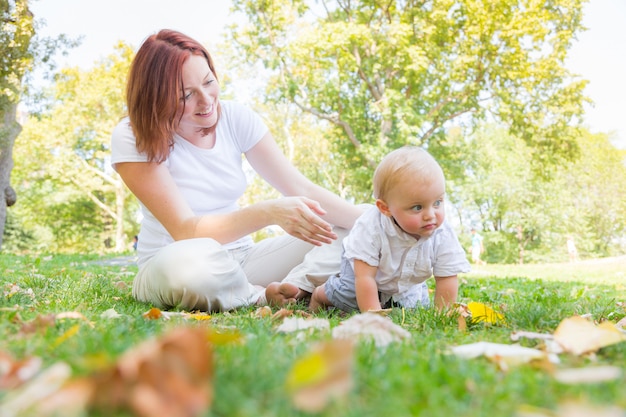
[210, 180]
[402, 261]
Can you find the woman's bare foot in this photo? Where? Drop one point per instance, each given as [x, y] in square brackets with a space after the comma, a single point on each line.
[283, 293]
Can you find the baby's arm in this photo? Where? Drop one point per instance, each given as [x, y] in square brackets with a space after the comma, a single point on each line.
[365, 286]
[446, 291]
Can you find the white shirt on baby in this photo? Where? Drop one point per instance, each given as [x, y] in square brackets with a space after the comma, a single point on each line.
[402, 261]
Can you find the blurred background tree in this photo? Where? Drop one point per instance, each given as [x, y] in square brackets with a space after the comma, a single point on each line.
[481, 85]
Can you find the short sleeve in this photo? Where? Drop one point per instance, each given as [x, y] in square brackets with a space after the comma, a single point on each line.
[364, 241]
[450, 258]
[242, 124]
[123, 145]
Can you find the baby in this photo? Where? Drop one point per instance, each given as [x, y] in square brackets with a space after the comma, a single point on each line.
[396, 245]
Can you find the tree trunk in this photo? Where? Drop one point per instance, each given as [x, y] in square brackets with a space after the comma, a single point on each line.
[9, 130]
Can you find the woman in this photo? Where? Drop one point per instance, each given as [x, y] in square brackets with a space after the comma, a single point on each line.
[180, 151]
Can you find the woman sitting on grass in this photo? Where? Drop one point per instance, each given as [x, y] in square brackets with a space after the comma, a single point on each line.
[180, 152]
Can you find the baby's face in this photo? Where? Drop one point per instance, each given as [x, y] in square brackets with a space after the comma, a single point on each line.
[418, 206]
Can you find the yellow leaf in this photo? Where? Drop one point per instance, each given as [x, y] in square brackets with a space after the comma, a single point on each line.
[483, 313]
[69, 333]
[323, 374]
[198, 316]
[221, 338]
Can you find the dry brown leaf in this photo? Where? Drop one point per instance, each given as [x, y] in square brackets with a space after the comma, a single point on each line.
[261, 312]
[370, 326]
[578, 335]
[120, 285]
[38, 323]
[463, 314]
[153, 314]
[462, 324]
[170, 376]
[14, 373]
[282, 313]
[26, 397]
[324, 374]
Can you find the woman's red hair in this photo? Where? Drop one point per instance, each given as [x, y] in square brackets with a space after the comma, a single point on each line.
[154, 90]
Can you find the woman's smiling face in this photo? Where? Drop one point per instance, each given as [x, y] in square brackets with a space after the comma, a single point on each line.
[200, 95]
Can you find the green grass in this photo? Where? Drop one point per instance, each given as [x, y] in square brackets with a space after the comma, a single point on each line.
[415, 378]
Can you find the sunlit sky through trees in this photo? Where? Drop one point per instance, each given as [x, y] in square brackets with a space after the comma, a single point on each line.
[599, 55]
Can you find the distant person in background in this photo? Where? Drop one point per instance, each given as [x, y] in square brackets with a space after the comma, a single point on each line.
[571, 249]
[135, 242]
[399, 243]
[477, 248]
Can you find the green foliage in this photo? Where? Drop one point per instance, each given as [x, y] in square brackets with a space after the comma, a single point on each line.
[17, 238]
[69, 190]
[388, 74]
[526, 216]
[416, 377]
[16, 56]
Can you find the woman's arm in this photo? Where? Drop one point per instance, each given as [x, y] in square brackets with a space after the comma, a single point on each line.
[153, 185]
[269, 161]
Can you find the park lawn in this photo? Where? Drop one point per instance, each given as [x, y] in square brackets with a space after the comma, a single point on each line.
[417, 377]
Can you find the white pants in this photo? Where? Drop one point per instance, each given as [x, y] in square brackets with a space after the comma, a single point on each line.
[199, 274]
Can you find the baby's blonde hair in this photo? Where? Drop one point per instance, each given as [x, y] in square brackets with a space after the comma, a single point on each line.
[406, 163]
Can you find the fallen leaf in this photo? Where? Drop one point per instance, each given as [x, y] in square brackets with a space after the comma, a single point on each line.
[156, 313]
[14, 373]
[225, 337]
[482, 313]
[381, 311]
[588, 375]
[38, 323]
[571, 409]
[516, 336]
[153, 314]
[71, 332]
[578, 335]
[322, 375]
[198, 316]
[73, 315]
[296, 324]
[264, 311]
[370, 326]
[282, 313]
[503, 355]
[110, 314]
[463, 314]
[24, 398]
[169, 376]
[120, 285]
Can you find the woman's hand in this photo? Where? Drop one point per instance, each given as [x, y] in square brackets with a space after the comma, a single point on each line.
[299, 216]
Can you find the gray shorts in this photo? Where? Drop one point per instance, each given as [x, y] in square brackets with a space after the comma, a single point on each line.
[341, 292]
